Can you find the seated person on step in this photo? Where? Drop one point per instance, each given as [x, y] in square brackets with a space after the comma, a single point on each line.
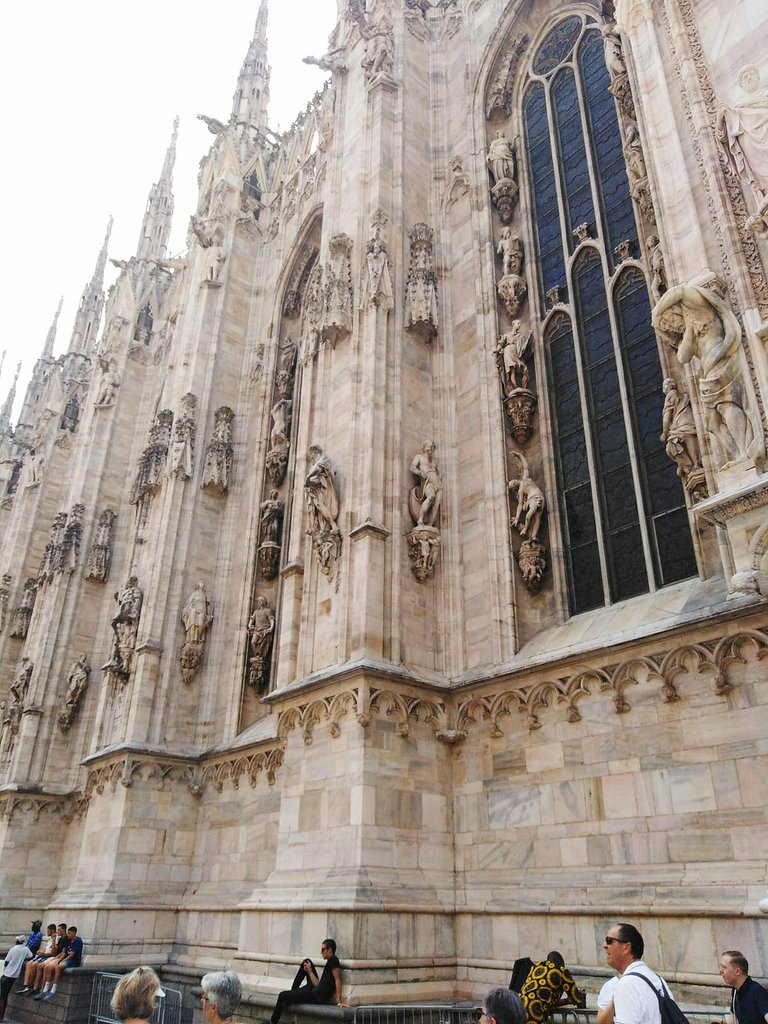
[308, 988]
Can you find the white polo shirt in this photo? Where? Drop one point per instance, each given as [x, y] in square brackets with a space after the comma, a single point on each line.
[633, 1001]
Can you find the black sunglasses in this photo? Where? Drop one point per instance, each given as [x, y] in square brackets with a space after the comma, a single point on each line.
[612, 938]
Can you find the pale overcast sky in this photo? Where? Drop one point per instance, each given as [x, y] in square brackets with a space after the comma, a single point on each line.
[90, 92]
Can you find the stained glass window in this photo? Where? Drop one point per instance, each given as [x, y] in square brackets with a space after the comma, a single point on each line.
[622, 509]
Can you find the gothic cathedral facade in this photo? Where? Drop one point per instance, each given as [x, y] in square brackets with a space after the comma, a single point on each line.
[394, 564]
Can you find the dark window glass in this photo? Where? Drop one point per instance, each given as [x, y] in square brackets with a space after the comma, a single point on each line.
[573, 156]
[557, 45]
[549, 243]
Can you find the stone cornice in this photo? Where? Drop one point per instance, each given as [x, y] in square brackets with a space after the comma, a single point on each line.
[722, 508]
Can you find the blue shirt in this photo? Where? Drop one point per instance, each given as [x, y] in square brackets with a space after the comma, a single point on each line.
[74, 952]
[34, 941]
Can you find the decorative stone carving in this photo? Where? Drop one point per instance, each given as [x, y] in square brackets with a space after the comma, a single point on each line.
[679, 433]
[197, 616]
[657, 267]
[421, 287]
[272, 511]
[23, 614]
[511, 251]
[125, 626]
[100, 555]
[637, 172]
[519, 401]
[376, 290]
[77, 681]
[512, 291]
[261, 629]
[211, 235]
[54, 549]
[182, 450]
[5, 593]
[424, 506]
[36, 462]
[698, 324]
[71, 414]
[19, 691]
[108, 384]
[617, 68]
[379, 49]
[217, 469]
[501, 163]
[277, 456]
[526, 519]
[742, 131]
[149, 475]
[337, 319]
[499, 105]
[70, 555]
[321, 498]
[312, 315]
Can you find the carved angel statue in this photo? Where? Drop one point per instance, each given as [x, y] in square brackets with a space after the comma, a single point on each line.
[742, 130]
[197, 614]
[530, 502]
[379, 47]
[510, 350]
[698, 324]
[501, 158]
[424, 500]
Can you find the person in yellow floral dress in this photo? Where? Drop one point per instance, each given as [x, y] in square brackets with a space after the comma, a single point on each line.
[549, 984]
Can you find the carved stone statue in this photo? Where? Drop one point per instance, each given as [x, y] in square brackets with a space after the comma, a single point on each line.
[52, 555]
[211, 237]
[519, 401]
[377, 283]
[182, 450]
[271, 517]
[5, 593]
[19, 690]
[425, 498]
[337, 318]
[379, 50]
[659, 282]
[217, 469]
[682, 444]
[511, 251]
[125, 626]
[261, 628]
[149, 475]
[614, 53]
[20, 685]
[742, 131]
[100, 555]
[424, 506]
[197, 616]
[70, 555]
[501, 158]
[77, 681]
[108, 385]
[36, 462]
[23, 614]
[633, 154]
[526, 519]
[421, 286]
[699, 325]
[322, 503]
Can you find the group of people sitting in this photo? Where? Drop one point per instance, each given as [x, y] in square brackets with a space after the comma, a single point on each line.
[61, 947]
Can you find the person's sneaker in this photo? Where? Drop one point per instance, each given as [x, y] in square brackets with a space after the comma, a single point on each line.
[23, 989]
[40, 995]
[32, 991]
[48, 996]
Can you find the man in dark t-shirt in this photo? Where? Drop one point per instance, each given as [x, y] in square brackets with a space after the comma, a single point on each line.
[749, 1000]
[308, 988]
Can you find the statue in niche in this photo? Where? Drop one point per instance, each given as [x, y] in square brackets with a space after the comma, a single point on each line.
[36, 462]
[659, 281]
[377, 283]
[519, 401]
[272, 511]
[125, 626]
[19, 690]
[337, 319]
[421, 286]
[633, 154]
[678, 431]
[211, 237]
[23, 614]
[312, 315]
[52, 555]
[217, 468]
[511, 251]
[5, 593]
[149, 475]
[699, 325]
[182, 450]
[277, 456]
[742, 131]
[100, 555]
[322, 503]
[288, 356]
[379, 49]
[77, 681]
[71, 414]
[526, 519]
[424, 506]
[501, 158]
[617, 68]
[108, 385]
[70, 555]
[197, 616]
[261, 628]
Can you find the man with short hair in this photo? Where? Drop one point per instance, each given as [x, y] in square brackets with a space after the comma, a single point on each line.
[502, 1006]
[33, 978]
[71, 957]
[12, 969]
[634, 1000]
[48, 949]
[35, 937]
[749, 1000]
[308, 988]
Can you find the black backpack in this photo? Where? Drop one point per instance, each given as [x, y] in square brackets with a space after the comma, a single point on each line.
[668, 1008]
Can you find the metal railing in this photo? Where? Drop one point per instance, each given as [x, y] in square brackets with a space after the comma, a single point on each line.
[467, 1013]
[168, 1008]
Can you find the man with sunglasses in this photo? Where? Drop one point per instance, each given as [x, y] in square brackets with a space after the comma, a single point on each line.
[634, 1001]
[308, 988]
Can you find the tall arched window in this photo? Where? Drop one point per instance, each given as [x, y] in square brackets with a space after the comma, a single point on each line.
[622, 507]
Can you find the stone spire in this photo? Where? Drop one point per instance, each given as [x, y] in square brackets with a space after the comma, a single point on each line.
[7, 410]
[249, 104]
[156, 226]
[89, 312]
[47, 352]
